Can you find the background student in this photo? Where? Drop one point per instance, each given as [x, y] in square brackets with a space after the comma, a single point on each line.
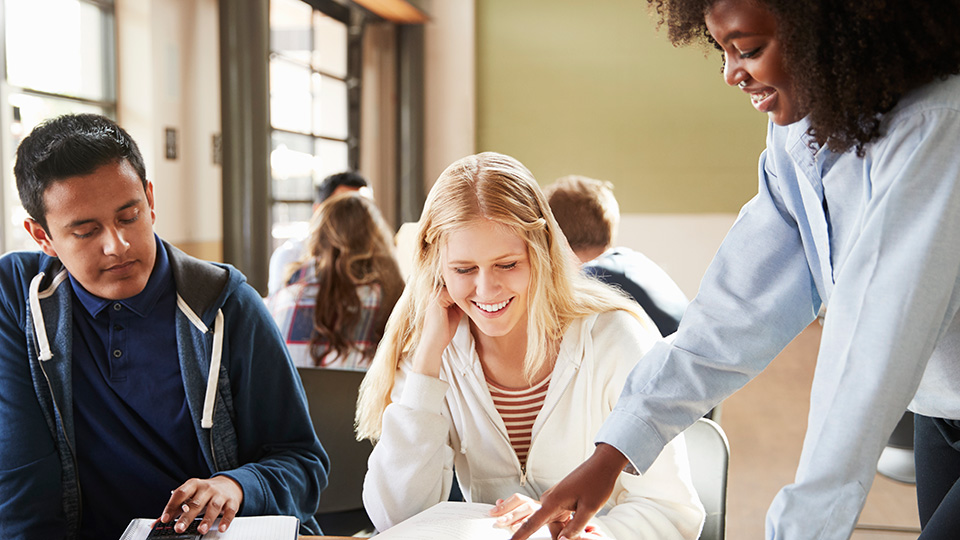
[333, 310]
[503, 359]
[589, 216]
[291, 252]
[135, 380]
[858, 211]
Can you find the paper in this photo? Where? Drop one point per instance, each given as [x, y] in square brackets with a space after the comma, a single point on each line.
[242, 528]
[454, 521]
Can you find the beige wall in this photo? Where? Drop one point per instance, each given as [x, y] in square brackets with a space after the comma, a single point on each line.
[574, 87]
[168, 71]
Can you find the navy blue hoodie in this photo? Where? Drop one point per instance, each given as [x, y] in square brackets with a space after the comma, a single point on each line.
[253, 424]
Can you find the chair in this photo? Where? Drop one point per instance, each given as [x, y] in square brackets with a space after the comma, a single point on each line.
[896, 460]
[332, 399]
[709, 454]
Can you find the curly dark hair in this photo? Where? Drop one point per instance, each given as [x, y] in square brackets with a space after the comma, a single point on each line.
[850, 60]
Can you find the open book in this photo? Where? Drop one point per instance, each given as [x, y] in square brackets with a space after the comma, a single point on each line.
[242, 528]
[454, 521]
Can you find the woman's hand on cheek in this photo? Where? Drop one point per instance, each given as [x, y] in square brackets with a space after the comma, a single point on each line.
[439, 326]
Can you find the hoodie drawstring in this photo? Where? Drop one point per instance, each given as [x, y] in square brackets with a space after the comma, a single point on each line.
[213, 377]
[37, 315]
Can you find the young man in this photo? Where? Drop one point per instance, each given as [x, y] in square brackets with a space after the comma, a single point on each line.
[135, 380]
[588, 214]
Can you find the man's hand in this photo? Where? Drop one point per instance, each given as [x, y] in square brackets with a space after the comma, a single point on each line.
[584, 491]
[220, 495]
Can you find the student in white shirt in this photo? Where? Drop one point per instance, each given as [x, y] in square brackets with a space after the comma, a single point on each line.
[496, 311]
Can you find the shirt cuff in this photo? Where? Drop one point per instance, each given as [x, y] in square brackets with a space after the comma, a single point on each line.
[423, 393]
[633, 438]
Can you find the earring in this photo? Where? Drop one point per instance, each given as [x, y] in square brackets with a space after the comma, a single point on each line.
[742, 84]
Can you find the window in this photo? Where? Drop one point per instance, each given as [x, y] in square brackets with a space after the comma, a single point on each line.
[59, 57]
[310, 83]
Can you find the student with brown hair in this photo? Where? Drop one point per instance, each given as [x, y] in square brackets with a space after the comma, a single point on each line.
[333, 310]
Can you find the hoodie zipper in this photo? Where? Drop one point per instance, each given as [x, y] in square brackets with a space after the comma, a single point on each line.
[73, 453]
[44, 353]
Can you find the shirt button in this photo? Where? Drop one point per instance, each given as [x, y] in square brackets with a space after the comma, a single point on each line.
[117, 353]
[117, 327]
[117, 306]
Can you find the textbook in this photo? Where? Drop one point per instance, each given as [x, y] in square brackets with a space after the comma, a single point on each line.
[242, 528]
[454, 521]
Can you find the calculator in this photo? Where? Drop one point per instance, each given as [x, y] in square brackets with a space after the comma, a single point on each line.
[165, 531]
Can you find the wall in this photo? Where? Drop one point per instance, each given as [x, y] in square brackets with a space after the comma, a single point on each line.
[169, 77]
[449, 86]
[593, 88]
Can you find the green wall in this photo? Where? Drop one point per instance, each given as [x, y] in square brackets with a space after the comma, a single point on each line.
[592, 87]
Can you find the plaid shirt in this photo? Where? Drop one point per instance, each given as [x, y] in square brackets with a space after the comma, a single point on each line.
[292, 309]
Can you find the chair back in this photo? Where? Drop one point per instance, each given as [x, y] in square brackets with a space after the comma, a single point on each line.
[709, 454]
[332, 398]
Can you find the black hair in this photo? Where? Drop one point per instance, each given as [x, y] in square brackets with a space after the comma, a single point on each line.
[67, 146]
[330, 184]
[851, 61]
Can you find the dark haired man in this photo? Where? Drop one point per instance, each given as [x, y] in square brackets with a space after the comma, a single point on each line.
[292, 250]
[135, 380]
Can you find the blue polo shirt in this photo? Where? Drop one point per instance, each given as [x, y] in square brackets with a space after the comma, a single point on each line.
[135, 439]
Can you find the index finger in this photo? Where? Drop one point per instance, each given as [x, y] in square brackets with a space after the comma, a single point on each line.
[536, 520]
[177, 497]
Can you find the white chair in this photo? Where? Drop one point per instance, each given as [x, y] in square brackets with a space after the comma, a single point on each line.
[709, 454]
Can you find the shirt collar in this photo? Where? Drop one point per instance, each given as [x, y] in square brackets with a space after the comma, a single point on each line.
[161, 281]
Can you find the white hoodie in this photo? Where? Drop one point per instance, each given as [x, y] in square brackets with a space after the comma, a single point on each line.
[434, 424]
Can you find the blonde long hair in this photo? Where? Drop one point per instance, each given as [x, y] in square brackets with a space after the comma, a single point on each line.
[498, 188]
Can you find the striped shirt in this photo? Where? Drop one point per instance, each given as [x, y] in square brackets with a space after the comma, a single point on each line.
[519, 409]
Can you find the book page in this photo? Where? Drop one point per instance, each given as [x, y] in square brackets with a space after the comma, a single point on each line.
[454, 521]
[242, 528]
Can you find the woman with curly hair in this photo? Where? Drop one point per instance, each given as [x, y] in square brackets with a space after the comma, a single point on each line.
[857, 217]
[502, 360]
[335, 305]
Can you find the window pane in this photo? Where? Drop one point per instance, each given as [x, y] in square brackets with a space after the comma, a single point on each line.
[331, 158]
[291, 166]
[73, 63]
[290, 29]
[329, 45]
[26, 111]
[330, 107]
[290, 220]
[290, 96]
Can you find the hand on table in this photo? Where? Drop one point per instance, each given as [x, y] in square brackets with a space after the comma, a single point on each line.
[582, 493]
[213, 497]
[514, 510]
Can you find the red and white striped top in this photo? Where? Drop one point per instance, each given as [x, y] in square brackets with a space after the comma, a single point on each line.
[519, 409]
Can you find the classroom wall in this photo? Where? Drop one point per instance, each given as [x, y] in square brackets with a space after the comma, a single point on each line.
[593, 88]
[169, 77]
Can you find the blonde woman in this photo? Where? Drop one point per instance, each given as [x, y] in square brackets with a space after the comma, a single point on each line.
[502, 360]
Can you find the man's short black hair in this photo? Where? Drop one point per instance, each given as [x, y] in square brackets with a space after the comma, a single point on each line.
[66, 146]
[349, 179]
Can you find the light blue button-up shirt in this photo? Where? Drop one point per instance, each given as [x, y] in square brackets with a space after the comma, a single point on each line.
[874, 239]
